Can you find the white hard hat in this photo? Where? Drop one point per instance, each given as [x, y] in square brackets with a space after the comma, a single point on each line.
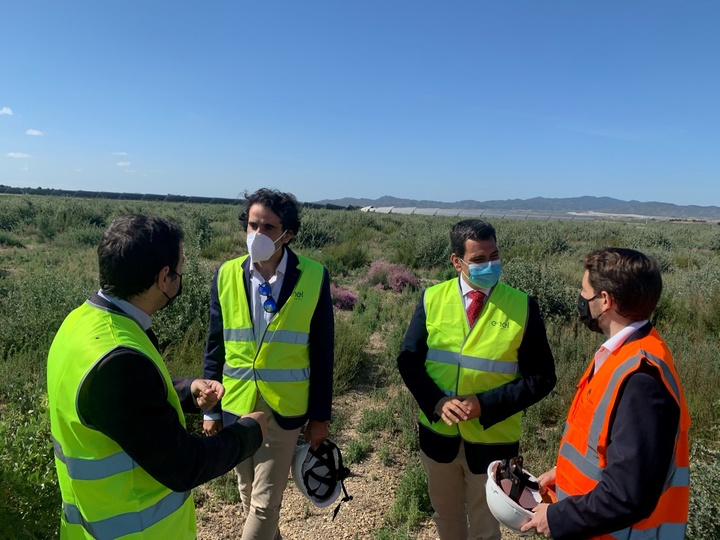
[319, 473]
[512, 493]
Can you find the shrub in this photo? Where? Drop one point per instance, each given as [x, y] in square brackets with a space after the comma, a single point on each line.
[412, 504]
[35, 305]
[219, 249]
[704, 491]
[84, 235]
[9, 240]
[544, 282]
[315, 230]
[342, 298]
[392, 276]
[422, 243]
[350, 342]
[201, 230]
[190, 308]
[349, 254]
[357, 450]
[29, 490]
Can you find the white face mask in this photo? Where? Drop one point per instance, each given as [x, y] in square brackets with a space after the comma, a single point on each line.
[261, 247]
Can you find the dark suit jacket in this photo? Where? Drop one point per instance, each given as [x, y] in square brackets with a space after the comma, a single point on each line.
[124, 397]
[321, 343]
[641, 449]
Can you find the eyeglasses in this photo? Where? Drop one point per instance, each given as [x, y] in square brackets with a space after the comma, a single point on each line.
[269, 305]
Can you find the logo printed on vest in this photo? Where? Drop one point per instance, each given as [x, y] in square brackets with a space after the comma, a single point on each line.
[502, 324]
[298, 294]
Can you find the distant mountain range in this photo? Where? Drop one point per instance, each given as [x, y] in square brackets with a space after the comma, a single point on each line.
[589, 205]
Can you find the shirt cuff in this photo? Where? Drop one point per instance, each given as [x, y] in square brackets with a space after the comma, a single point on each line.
[212, 416]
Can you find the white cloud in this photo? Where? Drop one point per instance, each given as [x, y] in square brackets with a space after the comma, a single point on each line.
[6, 110]
[123, 164]
[119, 154]
[18, 155]
[36, 132]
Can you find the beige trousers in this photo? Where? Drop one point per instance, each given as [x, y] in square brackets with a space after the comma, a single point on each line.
[458, 498]
[262, 479]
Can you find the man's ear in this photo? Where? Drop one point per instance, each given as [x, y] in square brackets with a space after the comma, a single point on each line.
[608, 301]
[457, 264]
[289, 235]
[163, 278]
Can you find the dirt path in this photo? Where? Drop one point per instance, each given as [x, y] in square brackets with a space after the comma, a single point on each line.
[372, 486]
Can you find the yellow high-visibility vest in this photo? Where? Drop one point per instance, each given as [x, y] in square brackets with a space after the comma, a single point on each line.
[105, 494]
[463, 360]
[280, 367]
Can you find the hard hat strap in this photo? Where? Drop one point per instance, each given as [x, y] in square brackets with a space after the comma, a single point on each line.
[512, 470]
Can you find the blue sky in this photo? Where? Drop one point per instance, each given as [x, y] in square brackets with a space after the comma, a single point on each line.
[440, 100]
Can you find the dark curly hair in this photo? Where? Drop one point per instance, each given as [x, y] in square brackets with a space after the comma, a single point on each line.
[285, 205]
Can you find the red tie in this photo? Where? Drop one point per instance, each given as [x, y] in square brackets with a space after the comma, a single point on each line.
[475, 307]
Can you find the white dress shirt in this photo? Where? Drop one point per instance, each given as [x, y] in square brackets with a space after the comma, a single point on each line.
[261, 319]
[465, 289]
[140, 317]
[614, 343]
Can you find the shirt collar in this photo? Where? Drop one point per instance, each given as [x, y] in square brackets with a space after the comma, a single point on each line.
[465, 288]
[614, 343]
[279, 271]
[138, 315]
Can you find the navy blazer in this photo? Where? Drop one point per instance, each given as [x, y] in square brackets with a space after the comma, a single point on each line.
[124, 397]
[321, 343]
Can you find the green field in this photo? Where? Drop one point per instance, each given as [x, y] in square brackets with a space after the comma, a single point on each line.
[379, 264]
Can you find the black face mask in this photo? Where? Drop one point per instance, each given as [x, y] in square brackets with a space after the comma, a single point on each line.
[584, 310]
[178, 293]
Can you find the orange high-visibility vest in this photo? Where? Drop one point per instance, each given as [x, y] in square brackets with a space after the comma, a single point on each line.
[583, 448]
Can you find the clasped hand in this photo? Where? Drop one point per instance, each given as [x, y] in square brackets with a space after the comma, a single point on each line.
[458, 409]
[207, 393]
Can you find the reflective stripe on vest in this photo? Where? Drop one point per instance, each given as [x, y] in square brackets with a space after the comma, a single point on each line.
[276, 336]
[582, 456]
[666, 531]
[280, 368]
[465, 361]
[471, 362]
[130, 523]
[104, 492]
[94, 469]
[267, 375]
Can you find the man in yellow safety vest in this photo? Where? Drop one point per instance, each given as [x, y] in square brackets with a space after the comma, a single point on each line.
[125, 462]
[271, 343]
[474, 356]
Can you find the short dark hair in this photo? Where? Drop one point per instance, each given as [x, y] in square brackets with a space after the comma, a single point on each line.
[467, 229]
[632, 279]
[285, 205]
[133, 250]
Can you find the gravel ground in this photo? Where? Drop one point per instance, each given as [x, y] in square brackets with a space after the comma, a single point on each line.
[371, 484]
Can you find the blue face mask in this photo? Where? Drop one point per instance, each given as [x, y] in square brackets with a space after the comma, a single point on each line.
[484, 275]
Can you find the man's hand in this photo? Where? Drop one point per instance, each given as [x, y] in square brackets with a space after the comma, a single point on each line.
[472, 406]
[539, 521]
[316, 432]
[207, 393]
[211, 427]
[546, 479]
[261, 418]
[452, 410]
